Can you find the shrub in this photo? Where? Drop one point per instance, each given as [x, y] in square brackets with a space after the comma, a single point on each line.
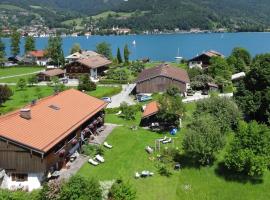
[86, 84]
[128, 112]
[5, 93]
[121, 191]
[164, 171]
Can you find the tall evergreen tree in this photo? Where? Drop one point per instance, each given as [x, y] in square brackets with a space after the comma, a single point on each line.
[29, 44]
[119, 56]
[55, 51]
[126, 54]
[2, 50]
[15, 43]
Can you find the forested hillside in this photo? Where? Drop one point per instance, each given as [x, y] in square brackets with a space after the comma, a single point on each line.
[165, 14]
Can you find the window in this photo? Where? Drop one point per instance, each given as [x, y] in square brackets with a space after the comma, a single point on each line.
[19, 177]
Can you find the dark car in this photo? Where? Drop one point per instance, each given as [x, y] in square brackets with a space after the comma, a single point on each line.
[205, 92]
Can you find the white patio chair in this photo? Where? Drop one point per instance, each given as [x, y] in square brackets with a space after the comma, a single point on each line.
[107, 145]
[100, 158]
[91, 161]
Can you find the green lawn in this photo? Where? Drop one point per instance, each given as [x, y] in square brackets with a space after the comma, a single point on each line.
[11, 71]
[128, 156]
[174, 64]
[102, 91]
[15, 79]
[24, 97]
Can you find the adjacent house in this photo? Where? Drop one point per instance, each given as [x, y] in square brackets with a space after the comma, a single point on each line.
[160, 78]
[93, 66]
[49, 74]
[38, 57]
[203, 61]
[38, 140]
[81, 55]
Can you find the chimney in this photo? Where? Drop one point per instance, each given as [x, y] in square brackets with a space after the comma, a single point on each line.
[25, 113]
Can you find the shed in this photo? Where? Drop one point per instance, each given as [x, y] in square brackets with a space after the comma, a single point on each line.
[47, 75]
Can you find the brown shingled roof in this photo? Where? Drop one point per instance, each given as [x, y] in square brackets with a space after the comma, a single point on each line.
[164, 70]
[53, 72]
[95, 61]
[48, 126]
[151, 109]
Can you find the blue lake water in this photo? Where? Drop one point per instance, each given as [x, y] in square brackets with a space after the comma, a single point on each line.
[165, 47]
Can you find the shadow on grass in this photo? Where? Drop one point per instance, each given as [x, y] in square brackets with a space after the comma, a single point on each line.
[186, 162]
[229, 175]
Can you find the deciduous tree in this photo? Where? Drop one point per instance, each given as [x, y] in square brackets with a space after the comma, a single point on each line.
[5, 93]
[249, 152]
[104, 49]
[75, 48]
[122, 191]
[203, 139]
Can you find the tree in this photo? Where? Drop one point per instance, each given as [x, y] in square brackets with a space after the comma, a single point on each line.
[194, 72]
[219, 68]
[249, 152]
[118, 74]
[5, 94]
[32, 80]
[253, 94]
[127, 112]
[81, 188]
[223, 110]
[242, 54]
[2, 51]
[15, 43]
[51, 190]
[86, 84]
[200, 82]
[171, 108]
[21, 84]
[122, 191]
[104, 49]
[54, 50]
[57, 85]
[29, 44]
[75, 48]
[126, 54]
[203, 139]
[137, 67]
[119, 57]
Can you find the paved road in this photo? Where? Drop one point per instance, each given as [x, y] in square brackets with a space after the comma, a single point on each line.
[4, 77]
[123, 96]
[198, 96]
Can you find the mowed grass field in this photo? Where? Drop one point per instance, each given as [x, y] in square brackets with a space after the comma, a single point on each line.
[12, 71]
[128, 156]
[24, 97]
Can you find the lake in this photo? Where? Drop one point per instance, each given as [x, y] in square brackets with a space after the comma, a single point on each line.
[165, 47]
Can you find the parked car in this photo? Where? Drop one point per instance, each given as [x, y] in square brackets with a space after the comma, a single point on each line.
[107, 99]
[143, 98]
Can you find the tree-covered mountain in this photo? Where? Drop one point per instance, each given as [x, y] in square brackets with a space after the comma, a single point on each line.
[165, 14]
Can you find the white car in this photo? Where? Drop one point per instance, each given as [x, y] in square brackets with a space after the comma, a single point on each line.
[107, 99]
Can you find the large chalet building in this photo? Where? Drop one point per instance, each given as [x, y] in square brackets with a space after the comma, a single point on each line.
[38, 140]
[160, 78]
[86, 62]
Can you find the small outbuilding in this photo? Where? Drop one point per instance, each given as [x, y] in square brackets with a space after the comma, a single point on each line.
[160, 78]
[149, 114]
[49, 74]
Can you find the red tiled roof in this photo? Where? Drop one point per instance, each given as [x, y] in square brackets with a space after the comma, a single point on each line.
[151, 109]
[164, 70]
[48, 126]
[37, 53]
